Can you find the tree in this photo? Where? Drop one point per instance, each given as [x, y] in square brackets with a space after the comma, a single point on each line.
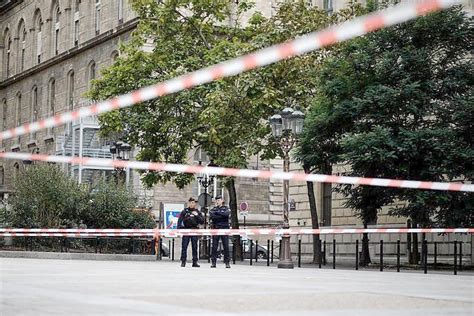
[226, 118]
[398, 104]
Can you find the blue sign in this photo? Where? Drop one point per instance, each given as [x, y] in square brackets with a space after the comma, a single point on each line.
[171, 219]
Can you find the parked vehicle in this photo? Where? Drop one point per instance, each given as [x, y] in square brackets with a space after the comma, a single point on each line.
[260, 252]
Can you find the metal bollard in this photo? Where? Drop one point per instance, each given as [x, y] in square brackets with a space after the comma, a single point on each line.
[169, 248]
[324, 253]
[381, 255]
[172, 250]
[460, 255]
[425, 256]
[233, 250]
[455, 257]
[256, 250]
[398, 255]
[242, 251]
[320, 254]
[357, 254]
[96, 243]
[153, 245]
[435, 254]
[268, 253]
[334, 253]
[279, 249]
[209, 250]
[299, 253]
[251, 252]
[271, 259]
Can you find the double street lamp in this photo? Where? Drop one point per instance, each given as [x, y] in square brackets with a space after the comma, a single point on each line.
[286, 126]
[121, 151]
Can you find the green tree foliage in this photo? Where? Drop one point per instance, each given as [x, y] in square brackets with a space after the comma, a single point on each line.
[46, 197]
[398, 104]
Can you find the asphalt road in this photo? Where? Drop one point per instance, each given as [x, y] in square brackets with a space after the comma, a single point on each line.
[80, 287]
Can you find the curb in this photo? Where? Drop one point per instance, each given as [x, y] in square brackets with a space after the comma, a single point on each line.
[75, 256]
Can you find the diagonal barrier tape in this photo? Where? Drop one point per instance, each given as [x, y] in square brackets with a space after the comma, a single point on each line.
[244, 173]
[58, 232]
[304, 44]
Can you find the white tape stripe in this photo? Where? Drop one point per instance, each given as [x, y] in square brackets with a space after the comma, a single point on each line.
[263, 57]
[247, 173]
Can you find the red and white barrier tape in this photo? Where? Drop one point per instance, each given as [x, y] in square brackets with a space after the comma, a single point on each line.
[299, 46]
[57, 232]
[244, 173]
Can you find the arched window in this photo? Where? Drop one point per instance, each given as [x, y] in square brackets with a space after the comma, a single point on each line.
[18, 113]
[51, 102]
[76, 21]
[91, 73]
[7, 53]
[56, 12]
[70, 90]
[21, 46]
[97, 16]
[4, 117]
[16, 169]
[34, 108]
[38, 45]
[114, 55]
[120, 10]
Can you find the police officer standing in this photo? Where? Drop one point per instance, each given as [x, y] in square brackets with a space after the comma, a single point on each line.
[219, 216]
[190, 217]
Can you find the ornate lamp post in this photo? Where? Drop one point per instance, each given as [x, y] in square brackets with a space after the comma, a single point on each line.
[286, 126]
[121, 151]
[205, 181]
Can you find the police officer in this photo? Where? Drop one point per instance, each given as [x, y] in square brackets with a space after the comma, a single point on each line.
[219, 216]
[190, 217]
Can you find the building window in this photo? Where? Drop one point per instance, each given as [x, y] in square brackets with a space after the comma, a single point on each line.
[328, 6]
[21, 46]
[97, 17]
[51, 102]
[114, 56]
[327, 204]
[91, 74]
[70, 90]
[2, 176]
[120, 10]
[76, 22]
[56, 28]
[4, 118]
[34, 109]
[18, 114]
[16, 169]
[8, 54]
[38, 38]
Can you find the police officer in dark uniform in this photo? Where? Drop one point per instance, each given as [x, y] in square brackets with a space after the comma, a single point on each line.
[190, 217]
[219, 216]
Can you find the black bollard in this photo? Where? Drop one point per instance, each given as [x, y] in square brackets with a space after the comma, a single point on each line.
[299, 253]
[153, 244]
[398, 255]
[271, 257]
[381, 255]
[357, 254]
[268, 253]
[169, 249]
[172, 251]
[320, 254]
[435, 254]
[334, 253]
[233, 250]
[425, 256]
[251, 252]
[324, 252]
[460, 256]
[256, 250]
[242, 251]
[96, 243]
[209, 250]
[455, 257]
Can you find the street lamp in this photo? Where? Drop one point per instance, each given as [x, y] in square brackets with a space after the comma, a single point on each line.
[286, 126]
[205, 181]
[121, 151]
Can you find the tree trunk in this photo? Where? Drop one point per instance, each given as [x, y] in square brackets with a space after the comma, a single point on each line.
[365, 254]
[314, 218]
[234, 217]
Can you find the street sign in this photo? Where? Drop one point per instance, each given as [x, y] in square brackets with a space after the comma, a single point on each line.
[171, 213]
[244, 208]
[205, 200]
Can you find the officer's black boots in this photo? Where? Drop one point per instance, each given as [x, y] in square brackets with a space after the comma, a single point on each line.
[227, 265]
[196, 265]
[183, 263]
[213, 265]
